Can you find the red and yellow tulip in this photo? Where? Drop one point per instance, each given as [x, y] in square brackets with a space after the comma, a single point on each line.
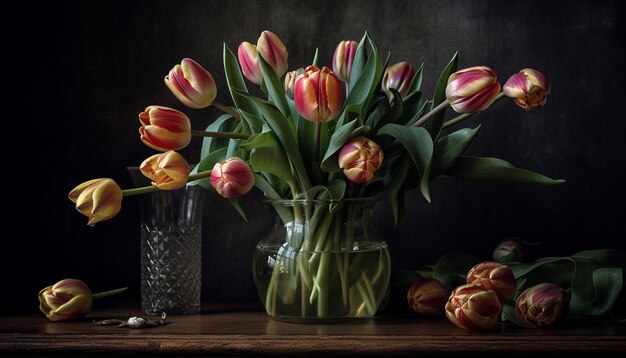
[318, 94]
[168, 171]
[191, 84]
[232, 178]
[360, 158]
[164, 128]
[528, 88]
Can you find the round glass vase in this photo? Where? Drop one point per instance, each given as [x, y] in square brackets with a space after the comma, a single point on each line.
[322, 262]
[171, 242]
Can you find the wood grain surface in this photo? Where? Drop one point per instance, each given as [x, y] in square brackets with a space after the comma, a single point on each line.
[245, 329]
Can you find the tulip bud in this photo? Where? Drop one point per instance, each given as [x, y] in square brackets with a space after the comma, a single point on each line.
[232, 178]
[98, 199]
[249, 60]
[398, 77]
[191, 84]
[164, 128]
[541, 305]
[427, 297]
[318, 94]
[343, 58]
[494, 276]
[508, 251]
[529, 88]
[168, 171]
[273, 52]
[472, 306]
[472, 89]
[290, 82]
[360, 158]
[66, 300]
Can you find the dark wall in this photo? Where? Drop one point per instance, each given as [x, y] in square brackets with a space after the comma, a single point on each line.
[86, 69]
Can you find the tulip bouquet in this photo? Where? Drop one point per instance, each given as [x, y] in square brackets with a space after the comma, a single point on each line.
[315, 134]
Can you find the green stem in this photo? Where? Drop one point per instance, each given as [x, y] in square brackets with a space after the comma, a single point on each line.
[225, 109]
[220, 134]
[316, 147]
[430, 114]
[152, 188]
[108, 293]
[463, 117]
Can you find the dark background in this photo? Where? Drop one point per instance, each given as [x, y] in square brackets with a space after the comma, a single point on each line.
[86, 69]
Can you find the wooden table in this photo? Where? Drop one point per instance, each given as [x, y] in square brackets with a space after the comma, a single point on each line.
[223, 329]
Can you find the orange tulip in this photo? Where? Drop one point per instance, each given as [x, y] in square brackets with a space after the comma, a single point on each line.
[98, 199]
[191, 84]
[164, 128]
[168, 171]
[318, 94]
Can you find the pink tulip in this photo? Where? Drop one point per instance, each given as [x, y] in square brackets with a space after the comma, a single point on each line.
[398, 77]
[273, 51]
[472, 89]
[529, 88]
[191, 84]
[343, 58]
[164, 128]
[494, 276]
[98, 199]
[541, 305]
[232, 178]
[318, 94]
[249, 61]
[66, 300]
[472, 306]
[360, 158]
[428, 297]
[168, 171]
[509, 250]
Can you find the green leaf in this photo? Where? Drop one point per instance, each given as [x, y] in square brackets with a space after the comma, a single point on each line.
[451, 269]
[416, 82]
[603, 289]
[449, 148]
[360, 58]
[209, 144]
[235, 81]
[275, 90]
[278, 123]
[316, 58]
[266, 155]
[412, 105]
[433, 126]
[479, 168]
[337, 140]
[419, 145]
[208, 162]
[394, 181]
[367, 81]
[285, 214]
[606, 257]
